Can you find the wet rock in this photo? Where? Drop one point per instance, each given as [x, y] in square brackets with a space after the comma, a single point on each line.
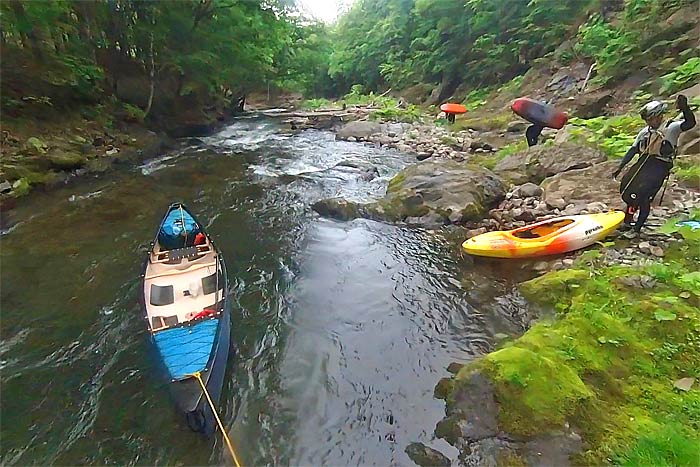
[472, 411]
[98, 141]
[528, 190]
[337, 208]
[475, 232]
[454, 367]
[644, 247]
[421, 156]
[540, 266]
[425, 456]
[5, 187]
[443, 388]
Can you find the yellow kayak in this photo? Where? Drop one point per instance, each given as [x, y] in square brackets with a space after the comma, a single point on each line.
[549, 237]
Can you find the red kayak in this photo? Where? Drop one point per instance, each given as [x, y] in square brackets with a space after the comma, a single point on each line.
[539, 113]
[449, 108]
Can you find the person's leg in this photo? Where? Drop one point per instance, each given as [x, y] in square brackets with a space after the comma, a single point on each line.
[532, 133]
[629, 214]
[644, 209]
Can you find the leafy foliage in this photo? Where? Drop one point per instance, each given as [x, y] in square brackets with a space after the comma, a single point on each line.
[681, 76]
[194, 48]
[614, 135]
[404, 42]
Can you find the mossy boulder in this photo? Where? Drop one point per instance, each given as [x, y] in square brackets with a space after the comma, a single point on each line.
[426, 456]
[66, 160]
[442, 191]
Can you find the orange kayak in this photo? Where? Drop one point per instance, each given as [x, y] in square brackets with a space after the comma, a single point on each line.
[453, 108]
[549, 237]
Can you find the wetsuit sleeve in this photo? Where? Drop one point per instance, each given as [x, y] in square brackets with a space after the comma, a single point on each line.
[628, 156]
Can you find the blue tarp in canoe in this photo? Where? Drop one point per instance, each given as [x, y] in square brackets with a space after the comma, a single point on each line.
[186, 350]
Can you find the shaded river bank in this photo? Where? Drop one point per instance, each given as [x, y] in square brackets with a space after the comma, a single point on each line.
[341, 329]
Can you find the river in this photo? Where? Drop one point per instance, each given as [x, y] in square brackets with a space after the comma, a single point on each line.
[341, 329]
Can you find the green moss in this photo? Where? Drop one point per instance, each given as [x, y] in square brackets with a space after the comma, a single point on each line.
[607, 363]
[526, 383]
[396, 182]
[548, 289]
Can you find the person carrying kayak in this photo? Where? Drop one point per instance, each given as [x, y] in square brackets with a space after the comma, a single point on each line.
[656, 145]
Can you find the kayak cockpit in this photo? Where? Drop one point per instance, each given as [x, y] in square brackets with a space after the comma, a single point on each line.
[543, 229]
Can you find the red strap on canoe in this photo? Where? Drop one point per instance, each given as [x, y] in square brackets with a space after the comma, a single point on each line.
[204, 313]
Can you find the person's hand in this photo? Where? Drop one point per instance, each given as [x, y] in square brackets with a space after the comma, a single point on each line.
[615, 173]
[681, 102]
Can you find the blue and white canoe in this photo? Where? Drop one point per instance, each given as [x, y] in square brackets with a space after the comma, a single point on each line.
[186, 305]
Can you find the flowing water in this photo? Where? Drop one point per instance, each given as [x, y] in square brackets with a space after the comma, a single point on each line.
[341, 329]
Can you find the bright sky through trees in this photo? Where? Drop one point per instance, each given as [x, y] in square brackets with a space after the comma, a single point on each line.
[325, 10]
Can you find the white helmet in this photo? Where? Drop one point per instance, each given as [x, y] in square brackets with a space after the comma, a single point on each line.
[652, 109]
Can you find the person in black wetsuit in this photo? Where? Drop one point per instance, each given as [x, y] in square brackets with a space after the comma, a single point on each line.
[656, 144]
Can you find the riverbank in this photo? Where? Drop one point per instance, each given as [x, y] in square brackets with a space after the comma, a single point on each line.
[607, 374]
[43, 150]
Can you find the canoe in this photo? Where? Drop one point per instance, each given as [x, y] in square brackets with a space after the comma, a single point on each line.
[539, 113]
[549, 237]
[188, 313]
[453, 108]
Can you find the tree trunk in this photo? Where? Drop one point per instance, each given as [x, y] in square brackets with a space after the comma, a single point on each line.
[153, 82]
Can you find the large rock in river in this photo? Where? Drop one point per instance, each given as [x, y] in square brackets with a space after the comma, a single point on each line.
[359, 130]
[429, 193]
[539, 162]
[440, 192]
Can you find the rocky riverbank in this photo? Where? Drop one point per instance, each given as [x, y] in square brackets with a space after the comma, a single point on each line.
[569, 400]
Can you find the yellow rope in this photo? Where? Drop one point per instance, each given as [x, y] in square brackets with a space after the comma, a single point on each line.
[218, 420]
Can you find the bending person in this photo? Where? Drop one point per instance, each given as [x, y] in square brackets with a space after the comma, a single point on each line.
[656, 144]
[532, 133]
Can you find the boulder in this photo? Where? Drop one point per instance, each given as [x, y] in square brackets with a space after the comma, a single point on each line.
[66, 160]
[359, 130]
[452, 191]
[337, 208]
[528, 190]
[579, 188]
[539, 162]
[591, 104]
[426, 457]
